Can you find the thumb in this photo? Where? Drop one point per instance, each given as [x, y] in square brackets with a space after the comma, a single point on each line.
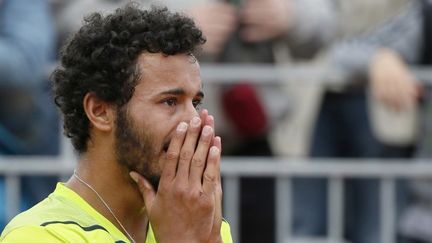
[145, 188]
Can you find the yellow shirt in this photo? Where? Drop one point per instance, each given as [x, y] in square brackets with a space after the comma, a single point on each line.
[66, 217]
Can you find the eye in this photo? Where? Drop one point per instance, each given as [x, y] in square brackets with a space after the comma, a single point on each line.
[170, 101]
[197, 104]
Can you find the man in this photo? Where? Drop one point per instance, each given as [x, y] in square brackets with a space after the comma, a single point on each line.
[129, 89]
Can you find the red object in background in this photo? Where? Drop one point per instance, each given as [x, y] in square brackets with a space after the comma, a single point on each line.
[243, 107]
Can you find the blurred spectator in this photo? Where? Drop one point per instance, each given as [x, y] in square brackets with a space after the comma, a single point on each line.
[68, 14]
[343, 128]
[388, 66]
[28, 124]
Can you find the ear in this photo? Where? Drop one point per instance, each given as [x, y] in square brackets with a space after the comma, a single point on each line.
[99, 112]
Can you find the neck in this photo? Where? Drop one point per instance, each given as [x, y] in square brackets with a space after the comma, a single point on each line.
[105, 179]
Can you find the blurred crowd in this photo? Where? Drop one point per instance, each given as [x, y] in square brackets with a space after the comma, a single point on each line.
[381, 110]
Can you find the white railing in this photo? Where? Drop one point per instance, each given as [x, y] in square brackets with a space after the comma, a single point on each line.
[336, 170]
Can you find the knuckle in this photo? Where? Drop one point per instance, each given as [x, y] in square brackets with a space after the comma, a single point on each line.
[197, 162]
[180, 192]
[171, 155]
[206, 140]
[207, 204]
[210, 178]
[185, 154]
[194, 195]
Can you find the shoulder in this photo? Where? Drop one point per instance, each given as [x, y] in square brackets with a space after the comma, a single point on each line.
[54, 220]
[29, 234]
[56, 231]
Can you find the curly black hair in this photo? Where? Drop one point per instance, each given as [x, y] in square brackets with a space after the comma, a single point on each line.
[101, 58]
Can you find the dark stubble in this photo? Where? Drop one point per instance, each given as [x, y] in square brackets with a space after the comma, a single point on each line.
[134, 148]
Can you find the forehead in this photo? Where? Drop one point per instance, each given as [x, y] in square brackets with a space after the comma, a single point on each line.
[159, 72]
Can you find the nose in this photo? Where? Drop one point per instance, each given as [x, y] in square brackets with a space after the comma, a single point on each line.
[189, 112]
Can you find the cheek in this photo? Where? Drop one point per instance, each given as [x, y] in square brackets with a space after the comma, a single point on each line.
[161, 125]
[165, 126]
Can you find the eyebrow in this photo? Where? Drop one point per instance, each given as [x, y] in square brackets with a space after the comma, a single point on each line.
[180, 91]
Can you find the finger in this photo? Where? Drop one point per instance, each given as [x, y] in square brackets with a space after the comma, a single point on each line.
[212, 171]
[210, 121]
[188, 150]
[207, 119]
[200, 157]
[217, 142]
[217, 219]
[173, 153]
[146, 189]
[203, 117]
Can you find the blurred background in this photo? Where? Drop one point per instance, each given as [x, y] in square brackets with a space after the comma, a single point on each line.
[324, 108]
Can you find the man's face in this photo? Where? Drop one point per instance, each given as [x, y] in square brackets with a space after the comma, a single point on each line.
[167, 93]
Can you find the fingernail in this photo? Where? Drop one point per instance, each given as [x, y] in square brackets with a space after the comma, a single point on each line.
[134, 176]
[214, 150]
[207, 130]
[195, 121]
[182, 127]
